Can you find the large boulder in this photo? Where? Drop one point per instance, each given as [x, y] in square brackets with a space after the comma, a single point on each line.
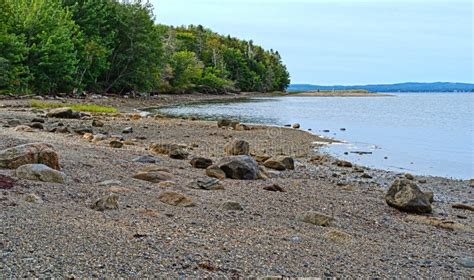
[28, 154]
[40, 172]
[239, 167]
[237, 148]
[63, 113]
[405, 195]
[280, 163]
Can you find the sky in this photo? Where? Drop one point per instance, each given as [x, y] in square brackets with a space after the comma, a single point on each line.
[329, 42]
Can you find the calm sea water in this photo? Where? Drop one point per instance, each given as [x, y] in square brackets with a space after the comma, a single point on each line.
[421, 133]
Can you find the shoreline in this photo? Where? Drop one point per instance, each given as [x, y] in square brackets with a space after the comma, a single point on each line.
[206, 241]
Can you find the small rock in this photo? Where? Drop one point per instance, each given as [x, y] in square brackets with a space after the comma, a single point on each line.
[83, 130]
[164, 149]
[366, 176]
[13, 122]
[216, 172]
[280, 163]
[40, 172]
[37, 125]
[88, 136]
[274, 188]
[97, 123]
[63, 113]
[467, 262]
[154, 176]
[316, 218]
[463, 206]
[127, 130]
[343, 163]
[24, 128]
[99, 137]
[6, 182]
[227, 123]
[210, 184]
[296, 125]
[337, 236]
[116, 144]
[110, 183]
[237, 147]
[175, 199]
[409, 176]
[261, 158]
[109, 202]
[232, 206]
[201, 162]
[242, 127]
[146, 159]
[33, 198]
[178, 154]
[405, 195]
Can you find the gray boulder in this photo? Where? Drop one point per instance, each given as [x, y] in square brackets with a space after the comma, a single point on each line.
[28, 154]
[405, 195]
[239, 167]
[40, 172]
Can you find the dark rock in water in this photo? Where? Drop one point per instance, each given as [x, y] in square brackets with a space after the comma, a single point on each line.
[37, 125]
[405, 195]
[201, 162]
[343, 129]
[287, 125]
[296, 125]
[239, 167]
[274, 188]
[6, 182]
[326, 131]
[63, 113]
[361, 153]
[109, 202]
[237, 147]
[179, 154]
[146, 159]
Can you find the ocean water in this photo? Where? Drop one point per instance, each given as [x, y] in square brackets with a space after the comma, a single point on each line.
[420, 133]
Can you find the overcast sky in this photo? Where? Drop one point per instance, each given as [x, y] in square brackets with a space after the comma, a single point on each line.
[346, 41]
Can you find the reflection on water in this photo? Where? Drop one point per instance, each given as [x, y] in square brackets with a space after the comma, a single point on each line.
[429, 134]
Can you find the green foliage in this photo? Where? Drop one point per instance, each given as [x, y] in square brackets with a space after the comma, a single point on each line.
[92, 108]
[51, 46]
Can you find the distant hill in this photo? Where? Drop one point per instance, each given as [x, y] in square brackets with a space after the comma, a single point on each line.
[402, 87]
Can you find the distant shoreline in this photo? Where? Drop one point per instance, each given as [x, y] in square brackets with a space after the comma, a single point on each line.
[338, 94]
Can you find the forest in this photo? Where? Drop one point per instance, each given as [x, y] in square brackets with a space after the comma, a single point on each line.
[105, 46]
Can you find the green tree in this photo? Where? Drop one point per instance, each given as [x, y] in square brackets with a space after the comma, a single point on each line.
[187, 70]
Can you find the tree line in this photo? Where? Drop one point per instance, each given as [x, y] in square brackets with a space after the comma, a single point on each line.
[62, 46]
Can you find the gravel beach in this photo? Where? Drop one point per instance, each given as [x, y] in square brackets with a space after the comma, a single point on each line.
[246, 229]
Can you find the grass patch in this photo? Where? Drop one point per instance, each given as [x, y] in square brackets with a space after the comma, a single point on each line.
[91, 108]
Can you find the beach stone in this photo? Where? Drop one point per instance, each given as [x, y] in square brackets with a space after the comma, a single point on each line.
[83, 130]
[127, 130]
[239, 167]
[6, 182]
[175, 199]
[40, 172]
[146, 159]
[263, 173]
[343, 163]
[405, 195]
[23, 128]
[88, 136]
[99, 137]
[232, 206]
[237, 147]
[463, 206]
[241, 127]
[274, 188]
[227, 123]
[13, 122]
[154, 176]
[210, 184]
[280, 163]
[63, 113]
[466, 262]
[97, 123]
[29, 153]
[296, 125]
[116, 144]
[216, 172]
[37, 125]
[179, 154]
[471, 183]
[430, 196]
[261, 158]
[33, 198]
[409, 176]
[108, 202]
[164, 149]
[337, 236]
[200, 162]
[316, 218]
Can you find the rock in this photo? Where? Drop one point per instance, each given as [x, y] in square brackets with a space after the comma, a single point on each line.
[88, 136]
[164, 149]
[262, 173]
[127, 130]
[40, 172]
[110, 183]
[241, 127]
[471, 183]
[24, 128]
[109, 202]
[274, 188]
[316, 218]
[97, 123]
[430, 196]
[201, 162]
[227, 123]
[343, 163]
[99, 137]
[463, 206]
[466, 262]
[178, 154]
[365, 176]
[216, 172]
[280, 163]
[296, 125]
[37, 125]
[13, 122]
[175, 199]
[29, 153]
[83, 130]
[63, 113]
[166, 184]
[239, 167]
[422, 181]
[146, 159]
[444, 224]
[6, 182]
[405, 195]
[116, 144]
[261, 158]
[154, 176]
[232, 206]
[210, 184]
[337, 236]
[33, 198]
[237, 147]
[409, 176]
